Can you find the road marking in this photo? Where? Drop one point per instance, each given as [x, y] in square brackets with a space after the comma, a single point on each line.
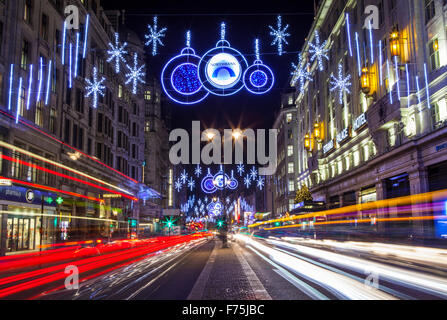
[199, 287]
[253, 280]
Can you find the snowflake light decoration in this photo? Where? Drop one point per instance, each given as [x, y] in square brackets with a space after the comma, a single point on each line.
[240, 169]
[280, 35]
[318, 51]
[154, 36]
[247, 181]
[184, 177]
[261, 183]
[191, 184]
[300, 73]
[341, 83]
[136, 74]
[178, 185]
[117, 53]
[254, 173]
[95, 87]
[198, 171]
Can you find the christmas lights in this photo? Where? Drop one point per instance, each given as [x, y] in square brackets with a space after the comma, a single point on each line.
[64, 35]
[117, 53]
[30, 85]
[318, 51]
[341, 83]
[348, 31]
[427, 89]
[11, 80]
[18, 100]
[280, 35]
[154, 37]
[47, 96]
[258, 78]
[76, 56]
[300, 73]
[135, 74]
[87, 23]
[95, 87]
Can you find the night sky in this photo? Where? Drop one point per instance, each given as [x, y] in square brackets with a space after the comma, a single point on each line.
[245, 21]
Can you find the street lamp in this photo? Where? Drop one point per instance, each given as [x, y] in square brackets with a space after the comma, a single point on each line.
[395, 43]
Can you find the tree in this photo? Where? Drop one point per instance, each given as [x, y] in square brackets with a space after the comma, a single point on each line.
[303, 195]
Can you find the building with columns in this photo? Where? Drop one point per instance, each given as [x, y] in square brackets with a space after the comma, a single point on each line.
[387, 136]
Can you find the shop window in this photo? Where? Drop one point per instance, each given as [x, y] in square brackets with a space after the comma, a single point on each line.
[430, 10]
[398, 186]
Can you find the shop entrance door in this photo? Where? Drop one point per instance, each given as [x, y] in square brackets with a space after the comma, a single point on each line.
[20, 234]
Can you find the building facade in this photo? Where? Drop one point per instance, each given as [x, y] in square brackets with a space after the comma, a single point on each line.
[386, 136]
[68, 170]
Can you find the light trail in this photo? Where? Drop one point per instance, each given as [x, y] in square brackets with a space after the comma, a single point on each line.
[341, 286]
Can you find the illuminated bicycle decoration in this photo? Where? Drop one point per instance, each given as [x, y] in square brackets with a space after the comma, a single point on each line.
[180, 78]
[222, 71]
[258, 78]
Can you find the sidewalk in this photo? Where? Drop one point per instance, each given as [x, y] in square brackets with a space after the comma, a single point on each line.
[228, 276]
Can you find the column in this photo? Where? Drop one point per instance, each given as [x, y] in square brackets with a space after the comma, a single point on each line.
[419, 184]
[3, 231]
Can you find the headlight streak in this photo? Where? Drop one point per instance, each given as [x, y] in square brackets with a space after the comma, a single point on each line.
[59, 165]
[343, 287]
[431, 284]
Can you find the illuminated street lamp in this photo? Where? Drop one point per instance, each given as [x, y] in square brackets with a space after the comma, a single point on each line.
[365, 81]
[395, 43]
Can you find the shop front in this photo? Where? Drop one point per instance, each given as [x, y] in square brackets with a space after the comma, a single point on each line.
[23, 212]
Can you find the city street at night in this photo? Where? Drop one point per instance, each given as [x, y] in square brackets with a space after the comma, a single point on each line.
[223, 160]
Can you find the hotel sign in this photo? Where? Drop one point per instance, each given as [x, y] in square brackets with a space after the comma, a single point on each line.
[328, 147]
[344, 135]
[360, 122]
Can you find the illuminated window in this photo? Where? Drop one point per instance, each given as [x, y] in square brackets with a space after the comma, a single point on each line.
[25, 55]
[439, 112]
[366, 152]
[289, 118]
[38, 119]
[291, 186]
[147, 95]
[291, 167]
[356, 158]
[290, 151]
[120, 91]
[434, 54]
[27, 11]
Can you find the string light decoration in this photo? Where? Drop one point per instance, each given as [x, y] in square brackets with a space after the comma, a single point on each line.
[240, 169]
[30, 85]
[19, 89]
[280, 35]
[258, 78]
[247, 181]
[136, 74]
[254, 173]
[191, 184]
[318, 51]
[180, 78]
[198, 171]
[154, 37]
[95, 87]
[260, 183]
[341, 83]
[117, 53]
[300, 73]
[178, 185]
[184, 176]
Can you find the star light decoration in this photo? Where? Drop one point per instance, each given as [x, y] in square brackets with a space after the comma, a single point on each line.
[341, 83]
[198, 171]
[191, 184]
[254, 173]
[184, 176]
[280, 35]
[247, 181]
[136, 74]
[261, 183]
[117, 53]
[95, 87]
[318, 51]
[154, 37]
[178, 185]
[240, 169]
[300, 73]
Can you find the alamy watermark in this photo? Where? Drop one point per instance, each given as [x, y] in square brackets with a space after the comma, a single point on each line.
[72, 279]
[187, 149]
[72, 17]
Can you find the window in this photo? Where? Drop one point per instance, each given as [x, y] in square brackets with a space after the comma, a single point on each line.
[22, 101]
[290, 151]
[430, 10]
[439, 112]
[147, 95]
[25, 55]
[53, 121]
[79, 101]
[38, 119]
[291, 186]
[44, 27]
[289, 118]
[67, 131]
[1, 36]
[291, 167]
[120, 91]
[27, 11]
[434, 54]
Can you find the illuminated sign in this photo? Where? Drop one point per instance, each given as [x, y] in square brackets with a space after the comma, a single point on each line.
[329, 147]
[343, 136]
[5, 182]
[112, 196]
[360, 122]
[223, 71]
